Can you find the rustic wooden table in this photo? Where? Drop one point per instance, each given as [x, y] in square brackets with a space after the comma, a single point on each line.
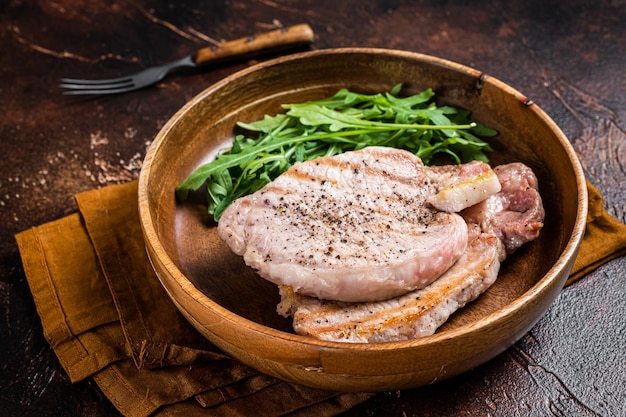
[568, 56]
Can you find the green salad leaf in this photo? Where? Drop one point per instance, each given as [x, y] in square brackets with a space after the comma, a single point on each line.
[344, 122]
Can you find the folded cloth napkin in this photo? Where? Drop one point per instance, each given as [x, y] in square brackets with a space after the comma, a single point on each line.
[604, 240]
[107, 317]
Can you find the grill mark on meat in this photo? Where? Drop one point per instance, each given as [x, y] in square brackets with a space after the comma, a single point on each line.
[362, 167]
[415, 314]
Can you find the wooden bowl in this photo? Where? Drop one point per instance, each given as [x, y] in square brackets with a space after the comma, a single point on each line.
[235, 309]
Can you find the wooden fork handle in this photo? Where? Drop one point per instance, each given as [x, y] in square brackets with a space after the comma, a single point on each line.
[276, 39]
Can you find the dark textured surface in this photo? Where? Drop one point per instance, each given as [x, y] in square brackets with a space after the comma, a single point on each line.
[567, 56]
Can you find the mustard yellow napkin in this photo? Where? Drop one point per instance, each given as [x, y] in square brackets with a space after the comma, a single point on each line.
[107, 317]
[605, 238]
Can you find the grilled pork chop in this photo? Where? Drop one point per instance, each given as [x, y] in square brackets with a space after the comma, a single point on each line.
[497, 226]
[415, 314]
[358, 226]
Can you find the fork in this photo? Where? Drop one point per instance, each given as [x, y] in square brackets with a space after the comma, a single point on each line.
[267, 42]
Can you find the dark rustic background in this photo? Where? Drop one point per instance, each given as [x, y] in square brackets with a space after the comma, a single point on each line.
[567, 56]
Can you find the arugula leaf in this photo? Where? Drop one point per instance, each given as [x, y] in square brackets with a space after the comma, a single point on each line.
[343, 122]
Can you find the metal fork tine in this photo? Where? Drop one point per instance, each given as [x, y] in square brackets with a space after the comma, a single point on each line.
[127, 84]
[99, 91]
[106, 86]
[76, 81]
[132, 82]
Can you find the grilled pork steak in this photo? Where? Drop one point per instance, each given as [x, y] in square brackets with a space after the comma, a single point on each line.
[359, 226]
[415, 314]
[497, 226]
